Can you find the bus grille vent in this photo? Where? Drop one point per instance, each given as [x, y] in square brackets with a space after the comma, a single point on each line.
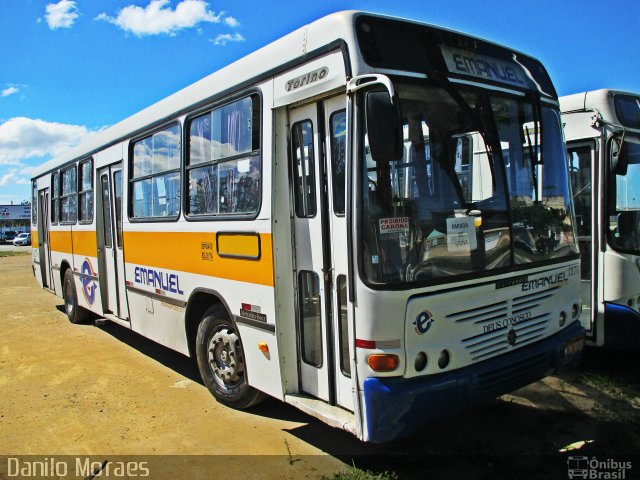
[492, 342]
[512, 376]
[532, 300]
[487, 313]
[521, 314]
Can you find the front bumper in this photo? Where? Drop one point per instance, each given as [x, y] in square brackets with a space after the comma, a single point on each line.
[397, 407]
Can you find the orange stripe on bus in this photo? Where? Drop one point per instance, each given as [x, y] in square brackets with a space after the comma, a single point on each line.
[61, 241]
[84, 243]
[196, 252]
[34, 238]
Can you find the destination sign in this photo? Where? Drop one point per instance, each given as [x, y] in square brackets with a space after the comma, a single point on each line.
[487, 68]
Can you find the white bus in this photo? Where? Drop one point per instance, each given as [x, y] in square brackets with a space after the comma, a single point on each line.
[350, 219]
[602, 131]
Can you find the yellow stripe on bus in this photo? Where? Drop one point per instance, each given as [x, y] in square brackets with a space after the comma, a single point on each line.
[34, 238]
[78, 242]
[196, 252]
[246, 245]
[60, 241]
[84, 243]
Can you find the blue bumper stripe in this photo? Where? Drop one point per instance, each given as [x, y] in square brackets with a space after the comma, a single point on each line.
[396, 407]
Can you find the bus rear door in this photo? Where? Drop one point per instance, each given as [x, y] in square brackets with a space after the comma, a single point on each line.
[43, 238]
[110, 247]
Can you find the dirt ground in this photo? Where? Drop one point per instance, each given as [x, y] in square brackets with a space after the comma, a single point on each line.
[104, 391]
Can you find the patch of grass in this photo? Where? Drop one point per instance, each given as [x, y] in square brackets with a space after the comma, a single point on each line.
[357, 474]
[616, 388]
[624, 395]
[14, 253]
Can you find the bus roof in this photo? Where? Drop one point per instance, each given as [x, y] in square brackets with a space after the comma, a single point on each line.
[592, 100]
[327, 33]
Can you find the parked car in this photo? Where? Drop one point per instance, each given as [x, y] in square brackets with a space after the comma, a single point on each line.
[8, 236]
[22, 239]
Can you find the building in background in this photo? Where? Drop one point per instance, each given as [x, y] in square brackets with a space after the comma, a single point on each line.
[15, 217]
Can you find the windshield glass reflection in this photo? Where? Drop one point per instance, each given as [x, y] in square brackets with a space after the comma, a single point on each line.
[482, 185]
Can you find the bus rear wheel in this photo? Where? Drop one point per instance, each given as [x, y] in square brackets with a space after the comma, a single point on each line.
[221, 360]
[75, 313]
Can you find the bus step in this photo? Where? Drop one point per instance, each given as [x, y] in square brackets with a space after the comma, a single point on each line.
[335, 416]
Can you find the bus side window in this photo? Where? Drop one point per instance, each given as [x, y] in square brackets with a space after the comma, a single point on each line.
[156, 175]
[85, 195]
[224, 162]
[69, 196]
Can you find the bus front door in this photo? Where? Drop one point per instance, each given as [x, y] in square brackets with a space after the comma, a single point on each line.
[581, 162]
[43, 238]
[110, 247]
[320, 251]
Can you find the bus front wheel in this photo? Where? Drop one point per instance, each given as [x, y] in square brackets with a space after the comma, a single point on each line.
[221, 360]
[75, 313]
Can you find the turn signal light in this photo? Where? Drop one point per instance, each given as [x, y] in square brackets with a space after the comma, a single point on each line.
[263, 347]
[383, 362]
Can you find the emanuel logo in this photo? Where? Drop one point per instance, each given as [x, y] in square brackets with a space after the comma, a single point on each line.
[423, 322]
[169, 282]
[89, 285]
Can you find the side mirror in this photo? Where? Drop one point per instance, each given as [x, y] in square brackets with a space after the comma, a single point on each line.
[384, 126]
[618, 160]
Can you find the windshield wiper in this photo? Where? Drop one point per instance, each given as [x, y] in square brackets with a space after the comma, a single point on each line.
[493, 138]
[537, 136]
[532, 159]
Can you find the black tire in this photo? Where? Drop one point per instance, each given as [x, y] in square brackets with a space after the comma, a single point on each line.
[75, 313]
[221, 361]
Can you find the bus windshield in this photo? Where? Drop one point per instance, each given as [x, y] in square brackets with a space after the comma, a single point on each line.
[482, 186]
[624, 206]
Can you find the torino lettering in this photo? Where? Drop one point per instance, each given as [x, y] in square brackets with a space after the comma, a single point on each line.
[306, 79]
[169, 282]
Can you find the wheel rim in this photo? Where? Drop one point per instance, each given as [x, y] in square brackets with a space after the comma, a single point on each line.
[225, 357]
[68, 300]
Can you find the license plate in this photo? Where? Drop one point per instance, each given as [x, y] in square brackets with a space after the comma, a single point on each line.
[573, 346]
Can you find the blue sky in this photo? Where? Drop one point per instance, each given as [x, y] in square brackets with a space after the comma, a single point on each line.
[68, 68]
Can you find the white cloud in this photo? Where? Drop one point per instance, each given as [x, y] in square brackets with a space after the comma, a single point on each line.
[9, 91]
[158, 18]
[62, 14]
[22, 138]
[224, 38]
[232, 22]
[13, 179]
[26, 170]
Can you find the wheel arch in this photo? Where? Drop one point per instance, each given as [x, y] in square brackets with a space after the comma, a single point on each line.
[200, 300]
[64, 266]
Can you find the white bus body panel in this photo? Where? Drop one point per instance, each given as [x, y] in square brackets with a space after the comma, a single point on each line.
[490, 319]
